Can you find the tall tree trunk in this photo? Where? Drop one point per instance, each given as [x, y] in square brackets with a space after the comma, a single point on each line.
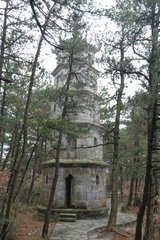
[12, 147]
[114, 175]
[57, 157]
[53, 188]
[149, 229]
[136, 190]
[146, 194]
[26, 168]
[130, 197]
[3, 96]
[121, 184]
[150, 211]
[152, 117]
[134, 179]
[23, 136]
[2, 132]
[138, 234]
[31, 186]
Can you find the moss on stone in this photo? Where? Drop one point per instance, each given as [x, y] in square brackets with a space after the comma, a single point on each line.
[81, 213]
[75, 163]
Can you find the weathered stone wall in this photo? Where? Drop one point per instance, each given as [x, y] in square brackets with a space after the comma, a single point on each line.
[84, 147]
[93, 138]
[88, 187]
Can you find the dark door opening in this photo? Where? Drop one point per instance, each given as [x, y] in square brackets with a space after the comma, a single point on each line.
[69, 190]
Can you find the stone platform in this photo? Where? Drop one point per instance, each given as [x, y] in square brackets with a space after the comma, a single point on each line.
[83, 229]
[80, 213]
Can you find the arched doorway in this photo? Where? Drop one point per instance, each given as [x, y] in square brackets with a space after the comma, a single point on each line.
[69, 191]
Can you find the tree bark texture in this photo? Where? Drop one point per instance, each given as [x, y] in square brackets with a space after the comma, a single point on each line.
[114, 173]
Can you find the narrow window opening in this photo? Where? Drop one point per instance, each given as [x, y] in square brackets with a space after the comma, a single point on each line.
[95, 141]
[69, 191]
[97, 180]
[54, 108]
[73, 144]
[47, 179]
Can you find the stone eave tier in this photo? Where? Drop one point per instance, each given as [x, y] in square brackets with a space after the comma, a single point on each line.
[63, 65]
[75, 163]
[89, 123]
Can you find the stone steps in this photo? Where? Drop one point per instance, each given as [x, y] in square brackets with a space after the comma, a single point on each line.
[67, 217]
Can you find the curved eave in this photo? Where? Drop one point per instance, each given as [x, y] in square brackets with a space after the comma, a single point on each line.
[75, 163]
[93, 124]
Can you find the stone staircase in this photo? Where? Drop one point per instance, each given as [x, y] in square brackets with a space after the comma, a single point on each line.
[67, 217]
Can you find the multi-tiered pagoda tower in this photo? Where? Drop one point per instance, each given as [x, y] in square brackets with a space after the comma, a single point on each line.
[82, 173]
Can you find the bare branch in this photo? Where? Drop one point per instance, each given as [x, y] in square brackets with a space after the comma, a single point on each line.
[93, 146]
[133, 46]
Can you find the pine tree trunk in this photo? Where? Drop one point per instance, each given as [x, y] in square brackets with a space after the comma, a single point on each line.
[130, 197]
[149, 233]
[152, 128]
[136, 192]
[146, 194]
[53, 189]
[121, 184]
[114, 175]
[18, 159]
[2, 51]
[31, 187]
[12, 147]
[26, 168]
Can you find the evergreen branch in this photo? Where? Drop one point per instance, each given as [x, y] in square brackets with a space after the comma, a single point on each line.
[129, 72]
[15, 40]
[74, 7]
[18, 74]
[136, 72]
[17, 59]
[6, 80]
[41, 27]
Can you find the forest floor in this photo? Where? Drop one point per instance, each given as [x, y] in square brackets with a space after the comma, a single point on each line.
[29, 227]
[120, 233]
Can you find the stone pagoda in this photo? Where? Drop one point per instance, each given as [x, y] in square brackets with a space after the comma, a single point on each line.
[81, 183]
